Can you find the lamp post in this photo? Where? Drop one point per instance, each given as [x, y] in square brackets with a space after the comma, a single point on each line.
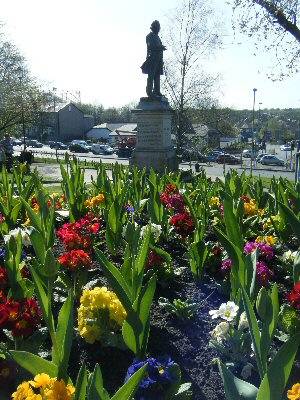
[252, 144]
[20, 73]
[56, 121]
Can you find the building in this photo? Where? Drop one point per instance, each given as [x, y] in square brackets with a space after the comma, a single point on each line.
[124, 132]
[208, 136]
[99, 132]
[66, 124]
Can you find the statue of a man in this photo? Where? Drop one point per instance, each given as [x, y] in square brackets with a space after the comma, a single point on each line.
[153, 66]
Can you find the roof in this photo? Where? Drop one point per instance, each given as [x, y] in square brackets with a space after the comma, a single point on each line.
[122, 133]
[118, 125]
[102, 126]
[70, 104]
[128, 127]
[108, 126]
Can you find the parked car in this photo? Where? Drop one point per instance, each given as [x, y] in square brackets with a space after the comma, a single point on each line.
[260, 156]
[229, 159]
[125, 152]
[285, 147]
[212, 157]
[33, 143]
[102, 149]
[201, 158]
[249, 154]
[79, 146]
[58, 145]
[17, 142]
[271, 160]
[193, 155]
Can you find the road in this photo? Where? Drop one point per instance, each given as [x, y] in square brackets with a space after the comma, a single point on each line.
[213, 170]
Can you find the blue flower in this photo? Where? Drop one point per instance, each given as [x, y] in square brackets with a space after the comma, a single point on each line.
[129, 208]
[2, 253]
[158, 379]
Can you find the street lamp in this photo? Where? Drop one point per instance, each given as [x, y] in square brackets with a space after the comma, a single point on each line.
[20, 76]
[252, 144]
[56, 121]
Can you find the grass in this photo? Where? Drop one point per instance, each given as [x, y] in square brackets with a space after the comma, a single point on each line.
[266, 181]
[86, 164]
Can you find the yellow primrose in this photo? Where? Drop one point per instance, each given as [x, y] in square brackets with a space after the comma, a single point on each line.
[60, 391]
[44, 388]
[276, 220]
[23, 392]
[214, 201]
[40, 380]
[270, 240]
[294, 393]
[95, 201]
[91, 302]
[261, 212]
[250, 208]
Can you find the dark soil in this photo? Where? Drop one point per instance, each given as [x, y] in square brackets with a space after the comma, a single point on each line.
[187, 342]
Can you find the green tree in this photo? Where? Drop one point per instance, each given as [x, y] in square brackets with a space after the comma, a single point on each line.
[19, 93]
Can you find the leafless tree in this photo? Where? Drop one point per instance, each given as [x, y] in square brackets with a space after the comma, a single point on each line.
[192, 35]
[275, 25]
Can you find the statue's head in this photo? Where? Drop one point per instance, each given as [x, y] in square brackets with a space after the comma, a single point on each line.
[155, 26]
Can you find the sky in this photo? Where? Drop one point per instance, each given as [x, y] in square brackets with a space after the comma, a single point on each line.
[97, 46]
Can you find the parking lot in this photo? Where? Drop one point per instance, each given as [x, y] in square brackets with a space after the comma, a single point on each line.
[212, 169]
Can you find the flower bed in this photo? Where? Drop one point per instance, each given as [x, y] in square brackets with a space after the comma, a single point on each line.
[148, 287]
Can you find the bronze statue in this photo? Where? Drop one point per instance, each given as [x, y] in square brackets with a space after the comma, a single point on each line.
[153, 66]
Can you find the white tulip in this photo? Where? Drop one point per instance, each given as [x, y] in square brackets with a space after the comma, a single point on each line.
[155, 229]
[24, 234]
[243, 322]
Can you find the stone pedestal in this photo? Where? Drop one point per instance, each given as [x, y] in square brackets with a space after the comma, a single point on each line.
[154, 146]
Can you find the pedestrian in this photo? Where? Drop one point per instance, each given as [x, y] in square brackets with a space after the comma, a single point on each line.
[7, 149]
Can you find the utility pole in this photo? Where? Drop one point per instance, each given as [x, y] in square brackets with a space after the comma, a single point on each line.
[56, 120]
[22, 108]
